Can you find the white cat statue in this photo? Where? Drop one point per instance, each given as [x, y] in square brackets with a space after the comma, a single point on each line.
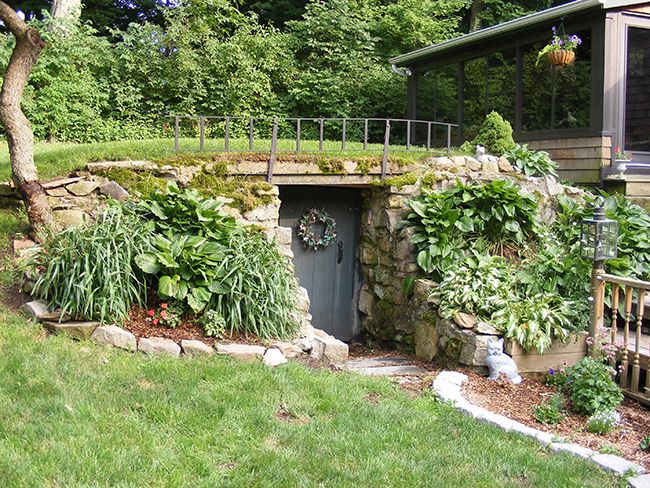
[500, 363]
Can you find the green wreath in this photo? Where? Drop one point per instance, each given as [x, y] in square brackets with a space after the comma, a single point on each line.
[306, 234]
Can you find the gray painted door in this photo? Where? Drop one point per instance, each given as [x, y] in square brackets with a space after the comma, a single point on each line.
[330, 274]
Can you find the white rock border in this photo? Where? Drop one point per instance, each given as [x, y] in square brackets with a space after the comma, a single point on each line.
[447, 385]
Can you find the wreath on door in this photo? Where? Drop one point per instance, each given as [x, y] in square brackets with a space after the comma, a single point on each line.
[306, 233]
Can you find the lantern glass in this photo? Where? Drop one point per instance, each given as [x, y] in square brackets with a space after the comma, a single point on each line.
[598, 239]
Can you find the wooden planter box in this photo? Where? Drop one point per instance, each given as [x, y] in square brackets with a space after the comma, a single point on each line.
[560, 355]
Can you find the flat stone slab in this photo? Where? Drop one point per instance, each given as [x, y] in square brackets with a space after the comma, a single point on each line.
[112, 335]
[135, 165]
[38, 310]
[639, 481]
[241, 351]
[70, 217]
[328, 349]
[76, 330]
[63, 182]
[574, 449]
[115, 191]
[82, 188]
[192, 347]
[391, 370]
[617, 464]
[375, 362]
[158, 346]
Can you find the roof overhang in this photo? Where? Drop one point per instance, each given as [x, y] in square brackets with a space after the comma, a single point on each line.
[577, 6]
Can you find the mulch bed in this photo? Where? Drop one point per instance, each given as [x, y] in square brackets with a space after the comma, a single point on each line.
[517, 402]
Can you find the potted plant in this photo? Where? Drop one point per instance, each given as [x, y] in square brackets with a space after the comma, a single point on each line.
[561, 51]
[620, 160]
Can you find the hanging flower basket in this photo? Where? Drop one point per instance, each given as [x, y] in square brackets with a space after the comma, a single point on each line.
[561, 57]
[306, 233]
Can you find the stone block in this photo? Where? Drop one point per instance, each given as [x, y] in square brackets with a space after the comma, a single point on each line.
[303, 301]
[76, 330]
[112, 335]
[472, 164]
[196, 348]
[490, 167]
[393, 218]
[304, 344]
[289, 350]
[57, 192]
[115, 191]
[573, 449]
[61, 182]
[159, 346]
[38, 309]
[70, 218]
[329, 349]
[404, 251]
[274, 357]
[82, 188]
[504, 165]
[366, 302]
[426, 340]
[101, 166]
[246, 352]
[458, 160]
[617, 464]
[474, 349]
[465, 320]
[485, 328]
[265, 213]
[422, 289]
[639, 481]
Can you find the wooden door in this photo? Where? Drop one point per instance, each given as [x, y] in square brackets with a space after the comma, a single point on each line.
[330, 274]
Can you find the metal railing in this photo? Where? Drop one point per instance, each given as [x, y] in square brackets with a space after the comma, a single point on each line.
[632, 350]
[300, 135]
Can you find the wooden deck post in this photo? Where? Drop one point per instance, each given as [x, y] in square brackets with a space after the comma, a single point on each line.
[598, 306]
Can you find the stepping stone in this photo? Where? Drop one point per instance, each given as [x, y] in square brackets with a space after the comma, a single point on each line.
[241, 351]
[640, 481]
[374, 362]
[196, 348]
[82, 188]
[158, 346]
[112, 335]
[391, 370]
[63, 182]
[38, 309]
[115, 191]
[76, 330]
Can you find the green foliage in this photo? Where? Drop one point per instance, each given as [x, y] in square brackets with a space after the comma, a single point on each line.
[142, 184]
[602, 422]
[88, 272]
[168, 314]
[591, 387]
[495, 134]
[247, 193]
[645, 443]
[203, 259]
[550, 412]
[609, 449]
[532, 163]
[476, 286]
[447, 222]
[213, 324]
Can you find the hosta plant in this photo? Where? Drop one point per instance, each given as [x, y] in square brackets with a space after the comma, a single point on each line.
[530, 162]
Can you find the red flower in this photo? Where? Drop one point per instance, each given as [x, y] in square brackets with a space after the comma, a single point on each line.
[163, 315]
[155, 321]
[151, 313]
[617, 149]
[163, 305]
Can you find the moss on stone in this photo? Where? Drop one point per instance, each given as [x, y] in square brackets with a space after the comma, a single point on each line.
[398, 181]
[247, 192]
[330, 165]
[186, 159]
[364, 166]
[145, 183]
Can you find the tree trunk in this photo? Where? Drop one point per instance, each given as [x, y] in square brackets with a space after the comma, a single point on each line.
[477, 5]
[66, 9]
[19, 133]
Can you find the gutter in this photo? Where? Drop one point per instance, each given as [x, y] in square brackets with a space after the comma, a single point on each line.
[511, 25]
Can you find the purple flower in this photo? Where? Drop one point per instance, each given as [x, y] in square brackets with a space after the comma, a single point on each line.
[551, 371]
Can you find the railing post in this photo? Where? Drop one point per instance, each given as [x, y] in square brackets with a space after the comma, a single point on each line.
[201, 133]
[598, 305]
[274, 148]
[226, 137]
[251, 124]
[636, 365]
[343, 135]
[626, 336]
[176, 131]
[448, 139]
[320, 135]
[428, 136]
[408, 135]
[613, 331]
[297, 135]
[365, 134]
[384, 159]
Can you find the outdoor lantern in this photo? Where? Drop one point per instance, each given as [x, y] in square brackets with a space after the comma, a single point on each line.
[598, 236]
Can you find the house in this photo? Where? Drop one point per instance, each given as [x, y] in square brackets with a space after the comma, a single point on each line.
[578, 113]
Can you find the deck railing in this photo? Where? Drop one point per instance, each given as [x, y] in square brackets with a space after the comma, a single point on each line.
[631, 346]
[300, 135]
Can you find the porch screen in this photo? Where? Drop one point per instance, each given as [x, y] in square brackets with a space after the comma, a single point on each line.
[637, 94]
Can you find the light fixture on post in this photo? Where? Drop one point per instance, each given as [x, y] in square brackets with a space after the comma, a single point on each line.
[598, 242]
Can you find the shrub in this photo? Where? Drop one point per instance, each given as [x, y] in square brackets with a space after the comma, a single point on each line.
[591, 387]
[88, 271]
[645, 443]
[495, 134]
[532, 163]
[550, 412]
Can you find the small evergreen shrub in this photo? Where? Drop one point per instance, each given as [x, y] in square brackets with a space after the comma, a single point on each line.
[495, 134]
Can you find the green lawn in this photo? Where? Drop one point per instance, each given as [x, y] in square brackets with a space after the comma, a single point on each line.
[59, 159]
[77, 414]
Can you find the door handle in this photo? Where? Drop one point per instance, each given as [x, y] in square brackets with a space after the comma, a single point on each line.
[339, 257]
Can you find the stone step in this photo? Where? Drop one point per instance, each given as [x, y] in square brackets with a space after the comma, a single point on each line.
[375, 362]
[403, 370]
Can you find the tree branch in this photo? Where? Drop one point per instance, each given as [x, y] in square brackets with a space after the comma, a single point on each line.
[15, 24]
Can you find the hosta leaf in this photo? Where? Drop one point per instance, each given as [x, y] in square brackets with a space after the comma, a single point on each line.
[147, 263]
